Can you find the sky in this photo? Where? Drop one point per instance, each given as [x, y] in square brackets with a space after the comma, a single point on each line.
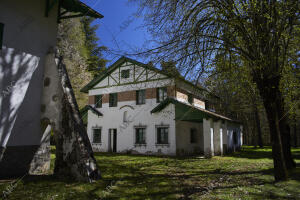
[111, 32]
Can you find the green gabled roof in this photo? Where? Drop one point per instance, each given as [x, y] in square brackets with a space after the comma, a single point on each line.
[84, 110]
[77, 6]
[124, 59]
[187, 112]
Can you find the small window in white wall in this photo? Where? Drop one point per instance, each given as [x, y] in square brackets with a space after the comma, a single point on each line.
[97, 135]
[125, 73]
[162, 136]
[193, 135]
[125, 117]
[140, 135]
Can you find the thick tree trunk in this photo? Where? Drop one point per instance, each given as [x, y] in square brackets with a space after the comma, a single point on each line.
[295, 135]
[280, 169]
[74, 154]
[286, 144]
[273, 103]
[258, 128]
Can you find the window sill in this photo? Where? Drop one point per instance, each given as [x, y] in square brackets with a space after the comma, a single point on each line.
[165, 144]
[140, 145]
[97, 143]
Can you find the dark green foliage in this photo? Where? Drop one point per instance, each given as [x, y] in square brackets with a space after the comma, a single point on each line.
[96, 62]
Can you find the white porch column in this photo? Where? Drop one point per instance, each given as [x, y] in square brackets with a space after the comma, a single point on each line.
[208, 135]
[241, 134]
[224, 137]
[217, 137]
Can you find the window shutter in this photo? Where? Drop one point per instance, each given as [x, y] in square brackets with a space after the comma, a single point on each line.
[1, 34]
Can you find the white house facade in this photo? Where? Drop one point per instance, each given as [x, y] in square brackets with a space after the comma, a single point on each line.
[137, 108]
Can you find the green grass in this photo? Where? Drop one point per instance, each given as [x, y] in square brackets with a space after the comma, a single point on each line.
[242, 175]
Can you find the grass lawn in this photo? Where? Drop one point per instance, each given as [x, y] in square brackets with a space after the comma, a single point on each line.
[242, 175]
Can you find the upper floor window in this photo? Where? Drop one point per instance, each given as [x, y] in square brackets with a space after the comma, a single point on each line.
[125, 73]
[113, 100]
[190, 99]
[98, 101]
[97, 135]
[1, 34]
[140, 135]
[140, 97]
[162, 135]
[193, 136]
[161, 94]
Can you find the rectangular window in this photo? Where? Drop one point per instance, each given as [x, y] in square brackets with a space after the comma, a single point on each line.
[140, 97]
[193, 135]
[113, 100]
[162, 135]
[97, 135]
[190, 99]
[125, 73]
[161, 94]
[140, 135]
[1, 34]
[235, 139]
[98, 101]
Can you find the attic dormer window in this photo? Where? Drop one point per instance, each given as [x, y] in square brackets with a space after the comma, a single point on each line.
[125, 73]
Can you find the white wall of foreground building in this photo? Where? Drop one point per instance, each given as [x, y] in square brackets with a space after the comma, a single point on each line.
[183, 138]
[27, 37]
[140, 116]
[219, 137]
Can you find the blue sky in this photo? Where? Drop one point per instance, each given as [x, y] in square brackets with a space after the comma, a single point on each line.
[110, 31]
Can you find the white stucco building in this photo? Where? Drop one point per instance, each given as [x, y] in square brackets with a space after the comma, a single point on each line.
[137, 108]
[28, 31]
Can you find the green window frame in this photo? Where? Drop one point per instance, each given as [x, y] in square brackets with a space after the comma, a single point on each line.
[162, 135]
[97, 135]
[98, 101]
[140, 97]
[1, 34]
[113, 99]
[161, 94]
[140, 136]
[125, 73]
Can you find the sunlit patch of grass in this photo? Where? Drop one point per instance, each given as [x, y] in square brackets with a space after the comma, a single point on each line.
[241, 175]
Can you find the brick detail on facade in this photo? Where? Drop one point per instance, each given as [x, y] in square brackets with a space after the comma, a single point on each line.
[91, 100]
[181, 96]
[127, 96]
[131, 95]
[150, 93]
[171, 91]
[199, 103]
[105, 98]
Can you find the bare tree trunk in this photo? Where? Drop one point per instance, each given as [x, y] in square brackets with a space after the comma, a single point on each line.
[74, 154]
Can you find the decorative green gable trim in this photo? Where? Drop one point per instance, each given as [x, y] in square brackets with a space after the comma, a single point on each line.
[84, 110]
[185, 112]
[121, 61]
